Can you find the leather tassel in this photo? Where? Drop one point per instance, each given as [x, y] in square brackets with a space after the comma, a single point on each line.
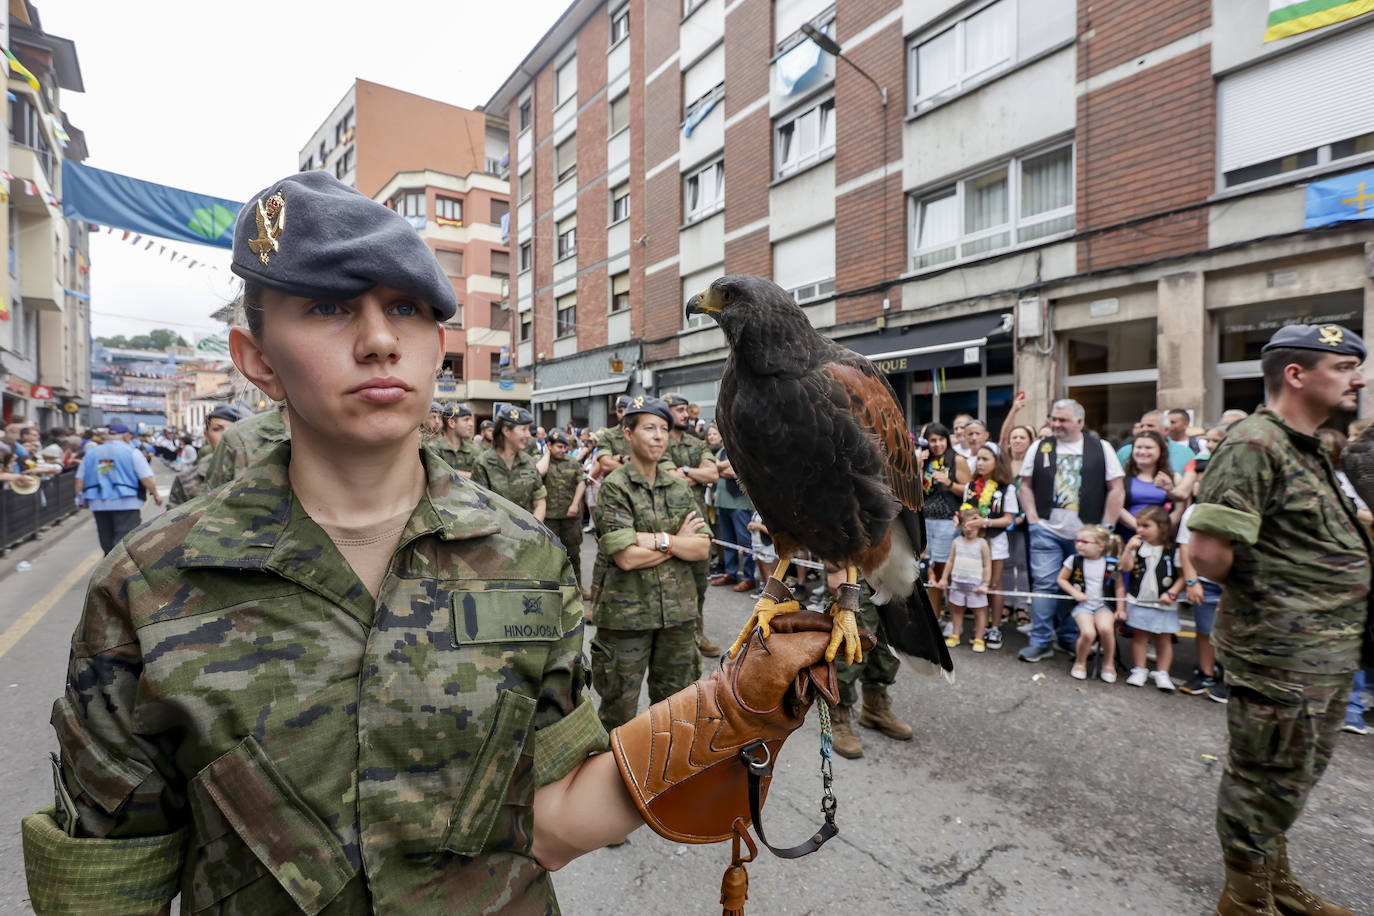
[734, 886]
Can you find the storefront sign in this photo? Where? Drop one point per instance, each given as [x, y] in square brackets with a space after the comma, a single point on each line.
[16, 387]
[890, 366]
[40, 392]
[71, 406]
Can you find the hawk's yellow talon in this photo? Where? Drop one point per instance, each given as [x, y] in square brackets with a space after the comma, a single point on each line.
[764, 612]
[846, 631]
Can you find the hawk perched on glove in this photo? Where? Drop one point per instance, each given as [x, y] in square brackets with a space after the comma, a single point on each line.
[818, 441]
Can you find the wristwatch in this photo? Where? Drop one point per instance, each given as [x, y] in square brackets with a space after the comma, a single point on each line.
[1191, 581]
[662, 546]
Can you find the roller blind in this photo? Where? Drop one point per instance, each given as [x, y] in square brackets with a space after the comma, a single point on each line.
[704, 75]
[805, 258]
[1310, 97]
[788, 15]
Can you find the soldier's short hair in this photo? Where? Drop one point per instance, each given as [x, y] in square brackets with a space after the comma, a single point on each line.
[1274, 361]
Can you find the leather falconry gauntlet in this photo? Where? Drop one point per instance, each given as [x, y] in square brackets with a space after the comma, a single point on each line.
[680, 759]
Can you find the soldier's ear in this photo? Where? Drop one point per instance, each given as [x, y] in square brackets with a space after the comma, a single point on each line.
[247, 353]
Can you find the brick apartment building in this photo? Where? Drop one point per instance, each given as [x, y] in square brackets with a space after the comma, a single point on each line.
[1103, 199]
[444, 169]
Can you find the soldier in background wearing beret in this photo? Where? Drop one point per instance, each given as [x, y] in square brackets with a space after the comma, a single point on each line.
[506, 468]
[190, 483]
[650, 539]
[1273, 526]
[611, 448]
[484, 433]
[566, 484]
[244, 442]
[456, 445]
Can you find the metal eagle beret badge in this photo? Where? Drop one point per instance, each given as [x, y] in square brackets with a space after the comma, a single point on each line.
[312, 235]
[1329, 338]
[510, 415]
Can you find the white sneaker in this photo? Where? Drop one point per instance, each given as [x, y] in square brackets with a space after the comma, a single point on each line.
[1138, 677]
[1163, 681]
[947, 629]
[1024, 628]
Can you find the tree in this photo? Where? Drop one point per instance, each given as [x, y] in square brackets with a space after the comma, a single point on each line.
[160, 339]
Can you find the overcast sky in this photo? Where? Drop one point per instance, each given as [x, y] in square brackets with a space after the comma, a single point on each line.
[218, 96]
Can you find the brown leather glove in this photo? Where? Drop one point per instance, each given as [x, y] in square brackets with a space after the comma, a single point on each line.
[680, 758]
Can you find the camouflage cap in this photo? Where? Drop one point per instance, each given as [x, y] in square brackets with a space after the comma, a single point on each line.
[312, 235]
[1329, 338]
[644, 403]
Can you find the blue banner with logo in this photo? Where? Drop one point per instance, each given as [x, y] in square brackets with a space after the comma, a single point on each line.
[108, 199]
[1336, 200]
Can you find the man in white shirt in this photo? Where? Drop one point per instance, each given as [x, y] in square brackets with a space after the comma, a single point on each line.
[1067, 481]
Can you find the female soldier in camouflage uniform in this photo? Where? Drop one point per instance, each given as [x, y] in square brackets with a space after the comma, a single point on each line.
[349, 681]
[506, 468]
[646, 602]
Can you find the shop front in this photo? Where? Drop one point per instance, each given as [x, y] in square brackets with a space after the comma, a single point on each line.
[581, 389]
[16, 400]
[698, 383]
[945, 368]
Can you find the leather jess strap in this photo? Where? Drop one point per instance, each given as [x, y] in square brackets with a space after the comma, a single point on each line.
[760, 770]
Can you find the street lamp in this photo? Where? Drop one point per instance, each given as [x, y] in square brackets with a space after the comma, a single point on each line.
[831, 46]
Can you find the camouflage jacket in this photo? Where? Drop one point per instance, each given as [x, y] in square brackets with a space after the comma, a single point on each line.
[1298, 594]
[245, 442]
[232, 679]
[190, 483]
[611, 441]
[642, 599]
[561, 481]
[520, 483]
[460, 459]
[687, 452]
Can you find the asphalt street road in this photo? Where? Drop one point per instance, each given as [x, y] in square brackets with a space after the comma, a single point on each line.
[1018, 794]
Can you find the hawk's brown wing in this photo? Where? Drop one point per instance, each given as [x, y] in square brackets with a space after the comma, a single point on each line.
[874, 404]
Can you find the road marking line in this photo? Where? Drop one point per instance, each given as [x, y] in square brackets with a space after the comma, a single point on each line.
[30, 618]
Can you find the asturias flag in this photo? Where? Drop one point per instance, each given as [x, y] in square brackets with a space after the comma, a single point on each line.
[1291, 17]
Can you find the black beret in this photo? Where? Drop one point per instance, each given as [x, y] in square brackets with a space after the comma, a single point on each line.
[675, 400]
[622, 402]
[644, 403]
[1329, 338]
[510, 415]
[312, 235]
[558, 436]
[224, 412]
[487, 424]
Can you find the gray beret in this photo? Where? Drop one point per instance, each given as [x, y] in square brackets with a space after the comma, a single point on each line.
[312, 235]
[1329, 338]
[675, 400]
[622, 402]
[224, 412]
[458, 410]
[645, 404]
[559, 436]
[510, 415]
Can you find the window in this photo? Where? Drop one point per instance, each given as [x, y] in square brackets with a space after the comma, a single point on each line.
[804, 264]
[565, 158]
[495, 365]
[344, 164]
[526, 327]
[567, 237]
[525, 180]
[526, 114]
[620, 202]
[703, 191]
[620, 114]
[1024, 200]
[620, 25]
[343, 131]
[500, 264]
[500, 209]
[620, 293]
[308, 164]
[565, 320]
[689, 5]
[408, 203]
[988, 41]
[1341, 149]
[693, 284]
[26, 129]
[790, 15]
[526, 255]
[805, 139]
[448, 211]
[451, 261]
[565, 82]
[496, 315]
[703, 85]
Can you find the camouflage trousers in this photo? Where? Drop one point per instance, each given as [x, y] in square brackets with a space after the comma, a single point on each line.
[569, 531]
[1282, 727]
[880, 664]
[621, 657]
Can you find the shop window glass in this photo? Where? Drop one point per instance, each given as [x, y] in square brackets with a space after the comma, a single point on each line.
[953, 403]
[999, 402]
[1241, 332]
[1114, 348]
[1000, 359]
[1112, 410]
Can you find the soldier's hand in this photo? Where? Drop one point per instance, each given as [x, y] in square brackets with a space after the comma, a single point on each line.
[692, 524]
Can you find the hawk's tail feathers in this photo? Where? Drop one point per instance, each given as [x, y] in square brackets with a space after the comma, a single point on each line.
[914, 631]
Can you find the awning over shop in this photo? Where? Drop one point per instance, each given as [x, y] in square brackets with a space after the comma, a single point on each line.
[936, 345]
[615, 384]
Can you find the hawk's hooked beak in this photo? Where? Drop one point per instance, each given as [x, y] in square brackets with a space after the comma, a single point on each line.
[705, 302]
